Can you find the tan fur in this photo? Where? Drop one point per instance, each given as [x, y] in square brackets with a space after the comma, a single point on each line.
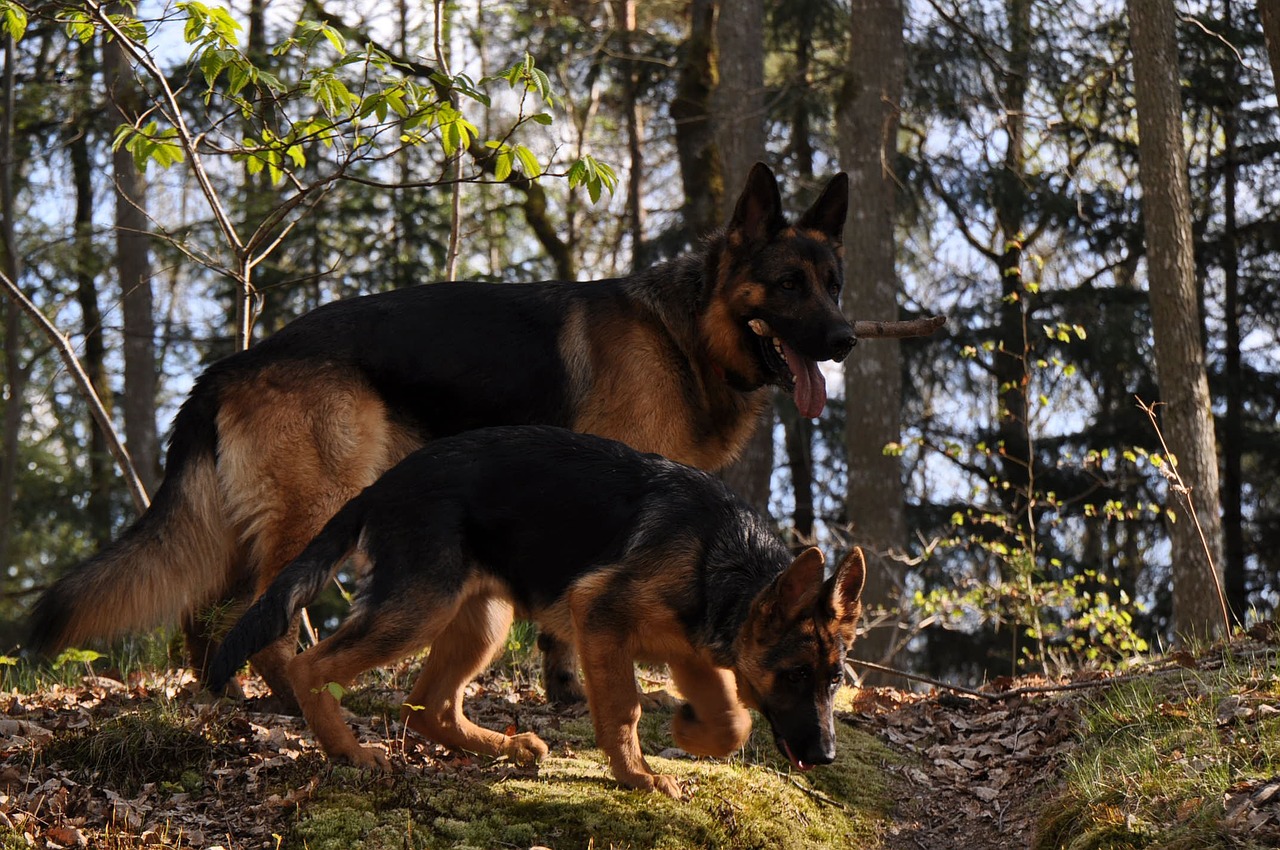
[465, 631]
[292, 452]
[717, 724]
[155, 594]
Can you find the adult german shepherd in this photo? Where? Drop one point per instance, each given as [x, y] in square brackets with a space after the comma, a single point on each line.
[270, 443]
[622, 555]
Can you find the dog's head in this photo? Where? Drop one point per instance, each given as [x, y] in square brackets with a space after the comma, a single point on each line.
[790, 653]
[775, 309]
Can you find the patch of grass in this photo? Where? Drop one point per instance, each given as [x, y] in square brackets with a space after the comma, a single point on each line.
[752, 800]
[1157, 756]
[132, 749]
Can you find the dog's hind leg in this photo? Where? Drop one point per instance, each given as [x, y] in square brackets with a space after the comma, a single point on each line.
[712, 722]
[458, 654]
[365, 640]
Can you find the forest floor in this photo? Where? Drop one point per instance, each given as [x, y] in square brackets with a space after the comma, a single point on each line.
[1184, 752]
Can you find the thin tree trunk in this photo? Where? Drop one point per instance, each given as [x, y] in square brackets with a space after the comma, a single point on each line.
[15, 373]
[1180, 366]
[1232, 426]
[701, 171]
[1011, 366]
[101, 463]
[739, 110]
[134, 266]
[624, 12]
[797, 430]
[867, 116]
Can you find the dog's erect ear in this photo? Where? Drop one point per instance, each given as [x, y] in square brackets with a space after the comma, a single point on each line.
[844, 589]
[800, 583]
[758, 215]
[828, 213]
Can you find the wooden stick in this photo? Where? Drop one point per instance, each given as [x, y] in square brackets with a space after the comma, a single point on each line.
[898, 330]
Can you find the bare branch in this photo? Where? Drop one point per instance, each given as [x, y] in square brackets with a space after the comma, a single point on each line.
[67, 352]
[898, 330]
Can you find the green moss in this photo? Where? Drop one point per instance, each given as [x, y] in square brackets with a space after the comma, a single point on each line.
[752, 800]
[1155, 761]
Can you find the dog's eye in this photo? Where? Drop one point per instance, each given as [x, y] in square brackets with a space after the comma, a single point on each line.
[798, 675]
[789, 283]
[837, 679]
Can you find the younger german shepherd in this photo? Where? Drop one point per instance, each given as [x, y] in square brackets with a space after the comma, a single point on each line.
[626, 556]
[272, 441]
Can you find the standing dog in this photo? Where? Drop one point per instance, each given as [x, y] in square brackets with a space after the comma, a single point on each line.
[625, 556]
[270, 443]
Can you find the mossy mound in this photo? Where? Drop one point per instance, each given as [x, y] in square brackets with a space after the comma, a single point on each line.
[752, 800]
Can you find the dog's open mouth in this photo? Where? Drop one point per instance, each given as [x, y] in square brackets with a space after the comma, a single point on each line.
[785, 748]
[798, 374]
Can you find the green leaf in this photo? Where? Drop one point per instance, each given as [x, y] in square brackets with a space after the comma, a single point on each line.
[76, 656]
[334, 690]
[528, 162]
[13, 20]
[331, 93]
[335, 38]
[541, 118]
[79, 26]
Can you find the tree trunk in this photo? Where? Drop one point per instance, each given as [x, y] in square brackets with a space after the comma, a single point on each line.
[1269, 12]
[868, 127]
[1180, 367]
[1232, 425]
[624, 14]
[133, 264]
[101, 463]
[700, 167]
[797, 430]
[1011, 366]
[15, 374]
[739, 110]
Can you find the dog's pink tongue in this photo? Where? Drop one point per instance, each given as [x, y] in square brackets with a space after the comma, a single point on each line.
[811, 389]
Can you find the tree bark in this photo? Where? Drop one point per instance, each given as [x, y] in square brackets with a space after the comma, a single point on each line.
[624, 14]
[1011, 365]
[868, 119]
[133, 263]
[15, 374]
[1180, 365]
[101, 463]
[1233, 420]
[739, 111]
[1269, 12]
[701, 171]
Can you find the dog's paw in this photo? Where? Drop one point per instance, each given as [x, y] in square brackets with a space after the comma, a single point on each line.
[705, 738]
[664, 783]
[525, 748]
[365, 758]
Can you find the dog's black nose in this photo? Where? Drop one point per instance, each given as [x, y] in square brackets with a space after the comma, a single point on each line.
[840, 342]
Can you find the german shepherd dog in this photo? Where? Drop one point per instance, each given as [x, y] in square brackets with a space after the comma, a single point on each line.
[676, 359]
[622, 555]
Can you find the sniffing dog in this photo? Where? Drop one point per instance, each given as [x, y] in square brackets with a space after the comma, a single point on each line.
[622, 555]
[271, 442]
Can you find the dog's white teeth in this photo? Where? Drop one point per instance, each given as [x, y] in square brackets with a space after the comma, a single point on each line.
[760, 327]
[777, 346]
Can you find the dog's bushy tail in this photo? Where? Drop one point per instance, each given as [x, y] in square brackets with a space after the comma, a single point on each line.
[297, 585]
[178, 555]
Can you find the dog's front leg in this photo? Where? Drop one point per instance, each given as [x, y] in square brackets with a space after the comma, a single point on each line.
[712, 722]
[615, 711]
